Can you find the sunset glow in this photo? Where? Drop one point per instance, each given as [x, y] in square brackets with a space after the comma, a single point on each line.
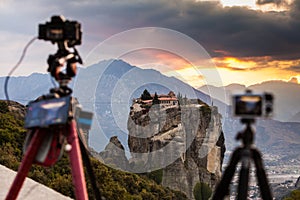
[226, 70]
[249, 71]
[248, 3]
[252, 5]
[244, 71]
[234, 63]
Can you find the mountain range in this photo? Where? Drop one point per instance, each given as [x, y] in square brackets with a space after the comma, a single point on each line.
[107, 88]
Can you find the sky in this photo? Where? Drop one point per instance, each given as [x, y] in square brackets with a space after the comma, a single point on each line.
[244, 42]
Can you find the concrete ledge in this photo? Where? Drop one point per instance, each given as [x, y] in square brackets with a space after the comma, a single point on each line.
[31, 190]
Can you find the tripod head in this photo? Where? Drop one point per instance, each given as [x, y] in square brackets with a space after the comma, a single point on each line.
[246, 136]
[62, 56]
[66, 34]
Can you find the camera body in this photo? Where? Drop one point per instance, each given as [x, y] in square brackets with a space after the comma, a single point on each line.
[61, 30]
[251, 105]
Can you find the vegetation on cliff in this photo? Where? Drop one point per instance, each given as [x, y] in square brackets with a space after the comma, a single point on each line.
[113, 184]
[294, 195]
[202, 191]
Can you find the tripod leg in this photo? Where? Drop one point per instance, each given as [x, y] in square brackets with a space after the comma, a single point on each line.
[261, 176]
[25, 165]
[244, 175]
[90, 171]
[76, 163]
[222, 188]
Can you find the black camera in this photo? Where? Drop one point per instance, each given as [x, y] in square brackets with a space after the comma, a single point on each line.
[61, 30]
[253, 105]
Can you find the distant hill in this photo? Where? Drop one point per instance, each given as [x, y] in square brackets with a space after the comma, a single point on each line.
[295, 118]
[286, 98]
[271, 136]
[222, 93]
[235, 87]
[26, 88]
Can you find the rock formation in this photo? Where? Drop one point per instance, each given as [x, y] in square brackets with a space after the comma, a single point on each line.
[16, 108]
[114, 154]
[186, 141]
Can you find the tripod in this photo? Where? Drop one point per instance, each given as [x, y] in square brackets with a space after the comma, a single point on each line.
[244, 154]
[74, 155]
[51, 119]
[41, 127]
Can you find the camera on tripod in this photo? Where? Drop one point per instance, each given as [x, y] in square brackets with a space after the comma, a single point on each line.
[248, 106]
[66, 34]
[61, 30]
[251, 105]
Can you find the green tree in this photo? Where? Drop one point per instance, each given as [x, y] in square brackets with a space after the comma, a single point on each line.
[295, 195]
[202, 191]
[3, 107]
[146, 95]
[156, 175]
[155, 99]
[179, 97]
[197, 191]
[206, 191]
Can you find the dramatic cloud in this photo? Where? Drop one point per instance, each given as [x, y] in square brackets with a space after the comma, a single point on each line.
[293, 80]
[295, 68]
[223, 31]
[276, 2]
[238, 31]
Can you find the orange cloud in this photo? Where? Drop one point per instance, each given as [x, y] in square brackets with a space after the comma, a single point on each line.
[293, 80]
[253, 70]
[229, 69]
[174, 61]
[161, 57]
[235, 64]
[255, 63]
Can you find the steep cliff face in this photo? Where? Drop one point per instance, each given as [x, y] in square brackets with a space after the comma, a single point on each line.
[186, 141]
[114, 154]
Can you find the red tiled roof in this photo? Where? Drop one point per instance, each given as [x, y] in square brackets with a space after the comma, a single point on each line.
[167, 99]
[147, 101]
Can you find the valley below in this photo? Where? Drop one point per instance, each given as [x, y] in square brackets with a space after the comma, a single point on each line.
[283, 176]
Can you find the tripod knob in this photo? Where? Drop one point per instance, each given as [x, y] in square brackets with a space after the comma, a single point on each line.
[247, 136]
